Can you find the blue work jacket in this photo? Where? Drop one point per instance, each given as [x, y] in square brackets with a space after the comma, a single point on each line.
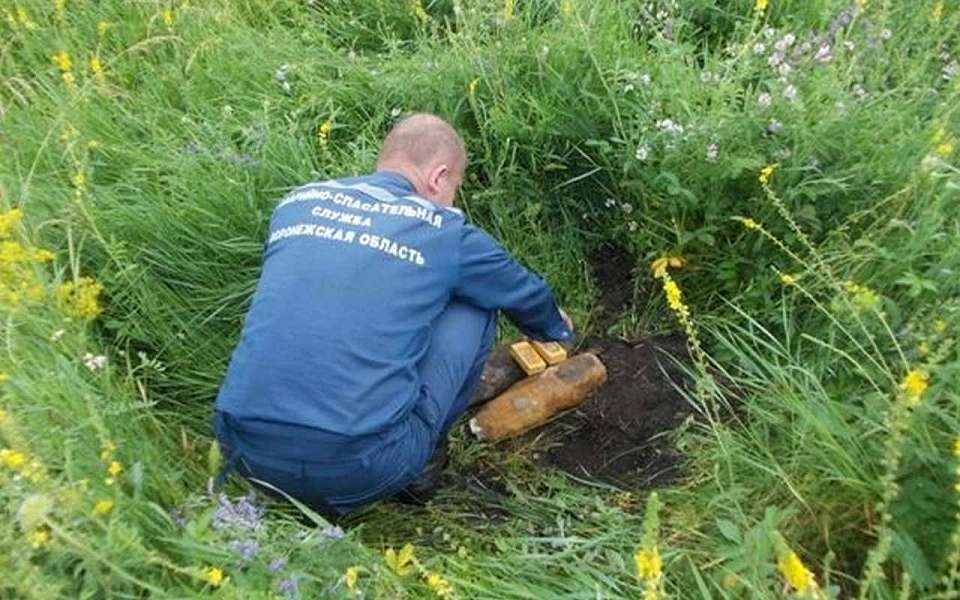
[355, 270]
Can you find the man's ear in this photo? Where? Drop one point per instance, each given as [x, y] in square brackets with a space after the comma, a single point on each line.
[437, 175]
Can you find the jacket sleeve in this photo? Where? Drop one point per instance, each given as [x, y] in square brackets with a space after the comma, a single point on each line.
[490, 278]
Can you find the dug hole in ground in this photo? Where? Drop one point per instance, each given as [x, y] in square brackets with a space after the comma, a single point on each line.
[619, 436]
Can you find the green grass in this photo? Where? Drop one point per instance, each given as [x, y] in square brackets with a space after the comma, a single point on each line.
[804, 431]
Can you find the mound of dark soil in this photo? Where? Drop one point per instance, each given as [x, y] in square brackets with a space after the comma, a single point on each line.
[619, 435]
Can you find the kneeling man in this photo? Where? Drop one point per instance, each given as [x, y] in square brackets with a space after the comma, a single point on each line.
[374, 314]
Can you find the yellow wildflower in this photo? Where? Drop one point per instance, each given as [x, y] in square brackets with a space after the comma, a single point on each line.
[944, 149]
[9, 221]
[956, 447]
[96, 67]
[761, 6]
[103, 27]
[937, 13]
[416, 7]
[923, 348]
[472, 88]
[438, 585]
[62, 61]
[107, 450]
[14, 460]
[400, 562]
[914, 384]
[940, 325]
[788, 279]
[24, 18]
[863, 297]
[79, 181]
[862, 3]
[748, 223]
[766, 173]
[168, 16]
[34, 472]
[508, 9]
[323, 132]
[114, 469]
[80, 298]
[60, 6]
[350, 578]
[797, 575]
[214, 576]
[674, 296]
[103, 507]
[38, 537]
[648, 562]
[69, 78]
[664, 262]
[566, 7]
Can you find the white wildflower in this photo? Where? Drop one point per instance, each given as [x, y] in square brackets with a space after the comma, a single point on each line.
[775, 59]
[769, 32]
[712, 152]
[632, 226]
[395, 112]
[886, 34]
[759, 48]
[627, 207]
[94, 362]
[668, 126]
[628, 88]
[790, 92]
[643, 151]
[785, 43]
[644, 79]
[56, 335]
[764, 99]
[850, 46]
[950, 70]
[609, 203]
[784, 69]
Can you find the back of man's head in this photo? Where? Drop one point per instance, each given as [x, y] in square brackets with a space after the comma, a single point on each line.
[429, 152]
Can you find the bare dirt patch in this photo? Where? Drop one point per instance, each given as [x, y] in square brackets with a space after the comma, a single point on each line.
[619, 435]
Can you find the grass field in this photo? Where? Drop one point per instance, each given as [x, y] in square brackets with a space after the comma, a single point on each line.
[798, 158]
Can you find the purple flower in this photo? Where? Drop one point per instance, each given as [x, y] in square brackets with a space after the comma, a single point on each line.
[277, 564]
[179, 517]
[242, 515]
[247, 549]
[823, 53]
[288, 587]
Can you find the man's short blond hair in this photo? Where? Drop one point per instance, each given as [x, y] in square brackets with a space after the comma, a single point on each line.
[422, 139]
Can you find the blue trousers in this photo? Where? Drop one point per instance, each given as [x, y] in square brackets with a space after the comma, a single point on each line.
[336, 475]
